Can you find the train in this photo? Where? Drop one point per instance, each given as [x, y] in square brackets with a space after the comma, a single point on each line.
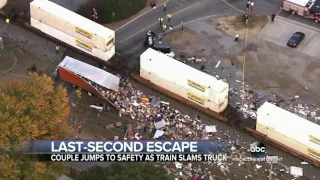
[190, 83]
[65, 26]
[290, 130]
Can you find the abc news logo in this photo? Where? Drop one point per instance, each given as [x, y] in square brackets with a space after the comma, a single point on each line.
[258, 149]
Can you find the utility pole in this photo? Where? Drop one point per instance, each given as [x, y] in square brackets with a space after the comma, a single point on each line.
[130, 7]
[171, 30]
[270, 171]
[113, 14]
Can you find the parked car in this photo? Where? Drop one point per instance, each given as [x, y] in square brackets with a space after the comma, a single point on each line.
[296, 39]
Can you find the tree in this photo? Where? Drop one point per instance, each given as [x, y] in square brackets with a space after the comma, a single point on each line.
[125, 171]
[31, 110]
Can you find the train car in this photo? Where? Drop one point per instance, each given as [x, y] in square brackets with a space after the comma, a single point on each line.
[3, 3]
[73, 24]
[72, 41]
[85, 76]
[289, 130]
[183, 80]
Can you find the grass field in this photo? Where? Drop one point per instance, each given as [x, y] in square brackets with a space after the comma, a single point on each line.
[112, 10]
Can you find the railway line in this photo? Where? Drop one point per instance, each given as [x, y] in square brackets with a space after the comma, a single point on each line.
[230, 115]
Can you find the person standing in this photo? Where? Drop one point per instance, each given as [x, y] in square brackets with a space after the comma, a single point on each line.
[160, 21]
[182, 27]
[248, 5]
[57, 49]
[251, 6]
[236, 39]
[272, 17]
[164, 6]
[169, 17]
[164, 27]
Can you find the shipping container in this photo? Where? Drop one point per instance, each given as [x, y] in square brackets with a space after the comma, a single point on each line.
[3, 3]
[183, 92]
[289, 129]
[184, 80]
[78, 73]
[185, 76]
[72, 24]
[73, 41]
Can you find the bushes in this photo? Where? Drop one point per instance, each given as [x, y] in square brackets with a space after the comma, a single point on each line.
[121, 9]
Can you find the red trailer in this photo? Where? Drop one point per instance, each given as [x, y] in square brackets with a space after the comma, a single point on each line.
[88, 77]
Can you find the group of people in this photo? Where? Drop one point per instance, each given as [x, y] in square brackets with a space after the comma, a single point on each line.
[250, 5]
[162, 25]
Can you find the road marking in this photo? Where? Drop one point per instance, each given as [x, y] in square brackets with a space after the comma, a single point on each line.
[160, 4]
[233, 6]
[290, 16]
[279, 12]
[148, 27]
[206, 17]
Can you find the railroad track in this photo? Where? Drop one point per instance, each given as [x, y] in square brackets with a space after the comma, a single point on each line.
[230, 115]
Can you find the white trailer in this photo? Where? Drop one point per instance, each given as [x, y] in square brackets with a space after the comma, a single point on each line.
[72, 41]
[73, 24]
[183, 80]
[289, 129]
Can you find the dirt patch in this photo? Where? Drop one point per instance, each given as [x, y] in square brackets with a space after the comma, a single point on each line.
[15, 64]
[235, 24]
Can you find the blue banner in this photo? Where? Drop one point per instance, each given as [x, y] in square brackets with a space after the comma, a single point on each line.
[111, 146]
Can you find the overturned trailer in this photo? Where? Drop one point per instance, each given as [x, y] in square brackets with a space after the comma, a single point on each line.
[87, 77]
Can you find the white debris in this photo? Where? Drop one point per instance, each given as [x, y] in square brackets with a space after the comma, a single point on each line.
[296, 171]
[258, 166]
[178, 165]
[218, 64]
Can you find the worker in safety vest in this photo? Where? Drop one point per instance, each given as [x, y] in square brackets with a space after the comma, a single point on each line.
[160, 21]
[57, 49]
[169, 17]
[78, 91]
[8, 20]
[164, 28]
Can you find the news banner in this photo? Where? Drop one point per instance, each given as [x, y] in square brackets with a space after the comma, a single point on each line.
[127, 151]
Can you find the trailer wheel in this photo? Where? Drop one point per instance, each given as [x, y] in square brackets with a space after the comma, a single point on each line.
[293, 12]
[316, 20]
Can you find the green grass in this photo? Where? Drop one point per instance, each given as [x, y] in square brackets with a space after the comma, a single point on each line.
[121, 9]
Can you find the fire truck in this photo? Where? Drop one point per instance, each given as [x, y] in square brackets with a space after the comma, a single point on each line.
[307, 8]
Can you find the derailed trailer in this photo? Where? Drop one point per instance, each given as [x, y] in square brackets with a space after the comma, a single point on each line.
[88, 77]
[183, 83]
[289, 132]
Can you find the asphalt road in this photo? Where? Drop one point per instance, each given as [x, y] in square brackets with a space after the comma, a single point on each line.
[130, 37]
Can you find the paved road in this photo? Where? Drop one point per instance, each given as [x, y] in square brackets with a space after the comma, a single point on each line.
[130, 37]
